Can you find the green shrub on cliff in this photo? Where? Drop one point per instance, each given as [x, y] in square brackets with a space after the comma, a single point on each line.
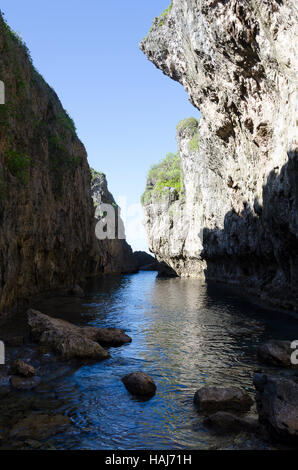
[163, 177]
[18, 164]
[189, 126]
[95, 173]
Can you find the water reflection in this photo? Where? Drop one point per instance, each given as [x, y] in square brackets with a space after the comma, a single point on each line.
[185, 334]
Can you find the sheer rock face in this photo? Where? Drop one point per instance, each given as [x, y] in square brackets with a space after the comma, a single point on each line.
[238, 62]
[119, 255]
[47, 230]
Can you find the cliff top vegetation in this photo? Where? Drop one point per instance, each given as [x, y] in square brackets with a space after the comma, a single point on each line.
[164, 177]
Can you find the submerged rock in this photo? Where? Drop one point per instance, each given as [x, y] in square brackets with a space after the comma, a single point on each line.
[140, 384]
[65, 339]
[277, 404]
[210, 398]
[223, 423]
[39, 427]
[24, 383]
[275, 352]
[20, 367]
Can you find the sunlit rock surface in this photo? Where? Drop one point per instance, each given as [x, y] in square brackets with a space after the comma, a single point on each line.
[238, 62]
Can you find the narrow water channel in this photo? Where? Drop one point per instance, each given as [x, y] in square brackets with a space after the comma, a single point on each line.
[185, 334]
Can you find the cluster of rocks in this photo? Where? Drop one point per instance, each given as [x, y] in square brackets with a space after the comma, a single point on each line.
[226, 408]
[67, 341]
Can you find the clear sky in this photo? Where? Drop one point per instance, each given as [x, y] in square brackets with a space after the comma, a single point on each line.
[125, 110]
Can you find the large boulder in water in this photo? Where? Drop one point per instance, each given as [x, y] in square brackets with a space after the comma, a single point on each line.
[40, 322]
[277, 353]
[209, 398]
[277, 404]
[140, 384]
[67, 340]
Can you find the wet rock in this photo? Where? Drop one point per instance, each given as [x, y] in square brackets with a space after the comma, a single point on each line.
[146, 262]
[275, 352]
[210, 398]
[39, 323]
[67, 340]
[140, 384]
[223, 423]
[277, 404]
[77, 291]
[20, 367]
[22, 383]
[39, 427]
[165, 271]
[107, 336]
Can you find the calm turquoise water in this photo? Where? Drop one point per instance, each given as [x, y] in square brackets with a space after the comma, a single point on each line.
[185, 334]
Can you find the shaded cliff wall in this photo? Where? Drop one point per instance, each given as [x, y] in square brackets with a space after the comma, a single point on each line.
[47, 236]
[238, 62]
[171, 210]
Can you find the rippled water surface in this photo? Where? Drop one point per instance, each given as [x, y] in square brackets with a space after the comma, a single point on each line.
[185, 334]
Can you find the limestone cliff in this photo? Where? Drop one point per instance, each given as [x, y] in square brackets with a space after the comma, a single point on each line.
[47, 236]
[119, 256]
[238, 62]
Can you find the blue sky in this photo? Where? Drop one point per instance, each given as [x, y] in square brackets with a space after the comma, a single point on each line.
[125, 109]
